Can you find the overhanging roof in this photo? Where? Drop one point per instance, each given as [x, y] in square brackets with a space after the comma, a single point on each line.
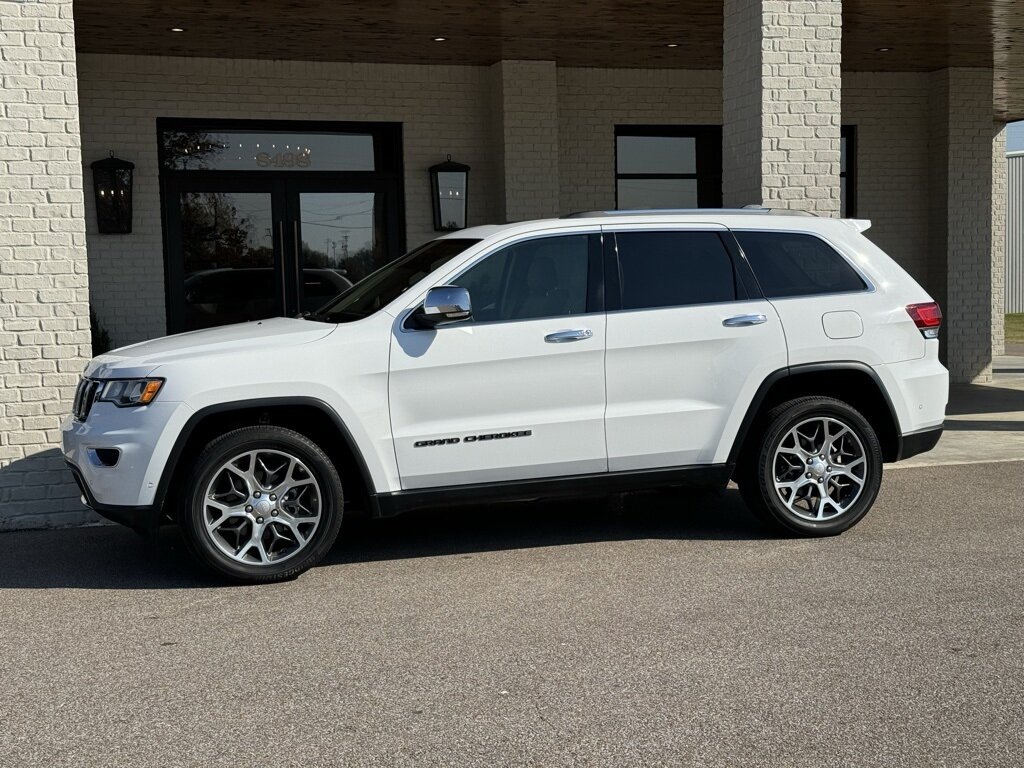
[922, 35]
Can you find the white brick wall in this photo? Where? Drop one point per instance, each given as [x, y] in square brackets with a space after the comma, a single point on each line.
[999, 211]
[891, 113]
[781, 103]
[969, 224]
[44, 315]
[444, 110]
[526, 137]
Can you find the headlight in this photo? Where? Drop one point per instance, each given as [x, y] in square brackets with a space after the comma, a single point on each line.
[128, 392]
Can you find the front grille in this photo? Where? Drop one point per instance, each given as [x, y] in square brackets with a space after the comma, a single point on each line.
[85, 396]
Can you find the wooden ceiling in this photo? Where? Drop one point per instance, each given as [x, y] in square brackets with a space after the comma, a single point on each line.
[923, 35]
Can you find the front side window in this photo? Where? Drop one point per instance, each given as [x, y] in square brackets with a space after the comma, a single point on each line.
[672, 269]
[543, 277]
[388, 283]
[668, 166]
[796, 264]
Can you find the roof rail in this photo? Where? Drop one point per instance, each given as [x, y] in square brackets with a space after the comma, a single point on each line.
[747, 210]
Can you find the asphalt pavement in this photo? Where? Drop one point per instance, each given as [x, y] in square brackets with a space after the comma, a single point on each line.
[670, 630]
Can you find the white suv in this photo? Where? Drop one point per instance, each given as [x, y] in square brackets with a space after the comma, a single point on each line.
[593, 354]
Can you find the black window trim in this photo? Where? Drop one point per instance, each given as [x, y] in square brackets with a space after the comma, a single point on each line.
[849, 132]
[613, 268]
[708, 173]
[868, 282]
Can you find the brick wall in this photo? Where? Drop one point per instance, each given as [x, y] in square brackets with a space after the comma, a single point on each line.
[938, 184]
[781, 103]
[44, 313]
[999, 211]
[890, 111]
[526, 138]
[969, 241]
[443, 109]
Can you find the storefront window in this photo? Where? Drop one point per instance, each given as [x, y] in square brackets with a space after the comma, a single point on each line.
[668, 166]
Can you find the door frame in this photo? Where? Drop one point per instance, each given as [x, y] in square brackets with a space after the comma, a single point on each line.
[284, 186]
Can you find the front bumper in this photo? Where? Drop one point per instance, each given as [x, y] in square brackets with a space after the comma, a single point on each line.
[140, 438]
[142, 519]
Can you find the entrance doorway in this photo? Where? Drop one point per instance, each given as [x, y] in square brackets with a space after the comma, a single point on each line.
[270, 219]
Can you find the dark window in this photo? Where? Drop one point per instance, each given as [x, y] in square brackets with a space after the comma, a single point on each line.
[671, 269]
[389, 282]
[848, 171]
[545, 277]
[668, 166]
[791, 264]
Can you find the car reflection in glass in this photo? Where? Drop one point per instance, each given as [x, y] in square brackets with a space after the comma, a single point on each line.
[221, 296]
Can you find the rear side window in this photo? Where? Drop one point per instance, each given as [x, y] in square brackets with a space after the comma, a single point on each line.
[793, 264]
[672, 269]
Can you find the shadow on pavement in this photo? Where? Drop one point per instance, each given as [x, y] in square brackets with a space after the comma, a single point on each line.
[111, 557]
[972, 425]
[969, 399]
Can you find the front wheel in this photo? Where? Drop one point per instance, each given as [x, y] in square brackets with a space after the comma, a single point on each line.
[817, 469]
[264, 504]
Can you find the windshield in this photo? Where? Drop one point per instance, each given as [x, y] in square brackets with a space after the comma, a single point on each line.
[391, 281]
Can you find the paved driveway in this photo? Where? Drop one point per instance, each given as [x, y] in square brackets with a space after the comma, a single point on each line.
[674, 632]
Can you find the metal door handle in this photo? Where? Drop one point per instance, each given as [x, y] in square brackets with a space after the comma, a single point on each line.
[743, 320]
[560, 337]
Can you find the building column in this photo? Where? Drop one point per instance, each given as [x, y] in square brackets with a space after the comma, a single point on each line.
[525, 113]
[968, 222]
[44, 301]
[999, 201]
[781, 89]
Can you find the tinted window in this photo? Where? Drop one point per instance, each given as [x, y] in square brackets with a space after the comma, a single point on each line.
[790, 264]
[671, 269]
[391, 281]
[545, 277]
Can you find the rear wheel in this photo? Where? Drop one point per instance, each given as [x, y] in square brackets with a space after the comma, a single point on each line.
[263, 504]
[816, 470]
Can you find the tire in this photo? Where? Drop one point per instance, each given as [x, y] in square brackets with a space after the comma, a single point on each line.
[787, 483]
[262, 504]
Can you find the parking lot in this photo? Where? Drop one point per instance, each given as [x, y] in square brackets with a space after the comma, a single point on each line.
[672, 630]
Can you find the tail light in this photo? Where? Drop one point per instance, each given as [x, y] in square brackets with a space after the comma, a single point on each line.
[927, 317]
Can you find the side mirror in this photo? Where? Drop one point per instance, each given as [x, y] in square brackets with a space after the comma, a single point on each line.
[444, 304]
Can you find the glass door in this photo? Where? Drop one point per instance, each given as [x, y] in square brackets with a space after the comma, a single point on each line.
[338, 238]
[267, 219]
[228, 261]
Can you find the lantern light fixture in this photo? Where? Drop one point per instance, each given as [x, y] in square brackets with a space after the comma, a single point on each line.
[112, 184]
[449, 188]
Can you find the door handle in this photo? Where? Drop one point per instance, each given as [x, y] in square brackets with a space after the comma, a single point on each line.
[560, 337]
[740, 321]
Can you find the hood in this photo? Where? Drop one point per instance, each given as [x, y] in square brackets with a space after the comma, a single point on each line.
[143, 358]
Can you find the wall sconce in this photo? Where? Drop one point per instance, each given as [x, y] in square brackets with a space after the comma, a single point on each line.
[449, 184]
[112, 185]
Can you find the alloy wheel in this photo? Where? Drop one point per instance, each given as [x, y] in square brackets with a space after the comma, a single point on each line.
[262, 507]
[819, 469]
